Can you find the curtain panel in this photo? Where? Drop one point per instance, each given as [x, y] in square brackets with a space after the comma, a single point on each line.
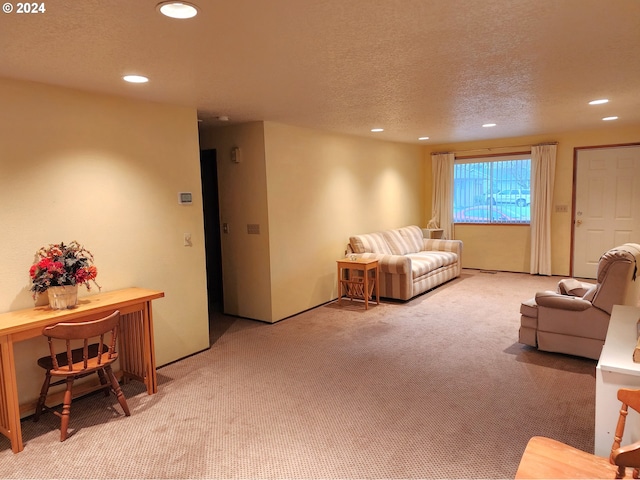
[442, 193]
[543, 168]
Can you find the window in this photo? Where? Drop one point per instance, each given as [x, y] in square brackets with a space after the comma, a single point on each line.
[492, 190]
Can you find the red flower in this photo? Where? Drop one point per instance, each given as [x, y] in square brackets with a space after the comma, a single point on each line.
[55, 268]
[85, 274]
[55, 251]
[92, 272]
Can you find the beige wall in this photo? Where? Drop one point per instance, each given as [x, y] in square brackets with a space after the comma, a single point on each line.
[322, 188]
[243, 201]
[319, 188]
[105, 171]
[508, 247]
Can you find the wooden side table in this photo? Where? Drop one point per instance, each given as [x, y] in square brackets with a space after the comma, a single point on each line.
[432, 232]
[353, 287]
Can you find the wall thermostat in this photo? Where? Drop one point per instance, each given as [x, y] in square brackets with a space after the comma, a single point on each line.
[185, 198]
[235, 155]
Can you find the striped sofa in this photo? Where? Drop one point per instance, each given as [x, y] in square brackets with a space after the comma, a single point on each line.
[409, 264]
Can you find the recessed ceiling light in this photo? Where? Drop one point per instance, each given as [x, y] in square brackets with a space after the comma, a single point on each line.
[179, 10]
[599, 102]
[377, 129]
[423, 138]
[487, 125]
[606, 119]
[135, 79]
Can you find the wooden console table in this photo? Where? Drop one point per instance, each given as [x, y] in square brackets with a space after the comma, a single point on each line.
[354, 289]
[137, 356]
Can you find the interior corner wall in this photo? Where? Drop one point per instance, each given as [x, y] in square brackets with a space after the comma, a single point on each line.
[105, 171]
[242, 192]
[508, 247]
[322, 188]
[308, 191]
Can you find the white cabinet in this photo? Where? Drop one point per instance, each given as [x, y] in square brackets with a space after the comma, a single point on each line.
[616, 369]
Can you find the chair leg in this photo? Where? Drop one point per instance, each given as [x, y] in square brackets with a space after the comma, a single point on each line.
[117, 390]
[66, 409]
[103, 381]
[43, 396]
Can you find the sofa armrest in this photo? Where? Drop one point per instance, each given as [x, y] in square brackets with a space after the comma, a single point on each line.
[454, 246]
[563, 302]
[398, 264]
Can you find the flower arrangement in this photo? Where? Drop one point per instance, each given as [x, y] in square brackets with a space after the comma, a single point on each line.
[62, 264]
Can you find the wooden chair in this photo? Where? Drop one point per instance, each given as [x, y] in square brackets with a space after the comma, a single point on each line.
[72, 363]
[547, 458]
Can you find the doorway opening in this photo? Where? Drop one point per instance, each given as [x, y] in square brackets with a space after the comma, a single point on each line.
[212, 245]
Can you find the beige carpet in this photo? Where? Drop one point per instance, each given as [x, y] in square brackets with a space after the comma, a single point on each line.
[434, 388]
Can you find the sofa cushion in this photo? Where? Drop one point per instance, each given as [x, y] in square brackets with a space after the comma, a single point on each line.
[369, 243]
[402, 241]
[423, 263]
[413, 236]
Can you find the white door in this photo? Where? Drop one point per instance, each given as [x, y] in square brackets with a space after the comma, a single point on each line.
[607, 204]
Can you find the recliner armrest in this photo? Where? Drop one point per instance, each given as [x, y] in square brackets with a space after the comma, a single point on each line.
[551, 299]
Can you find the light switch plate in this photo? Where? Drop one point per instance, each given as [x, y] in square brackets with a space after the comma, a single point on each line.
[185, 198]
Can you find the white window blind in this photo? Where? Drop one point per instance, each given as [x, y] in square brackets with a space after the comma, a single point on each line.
[492, 190]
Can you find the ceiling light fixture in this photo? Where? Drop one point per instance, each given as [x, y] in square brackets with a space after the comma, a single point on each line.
[607, 119]
[180, 10]
[423, 138]
[135, 79]
[377, 130]
[599, 102]
[487, 125]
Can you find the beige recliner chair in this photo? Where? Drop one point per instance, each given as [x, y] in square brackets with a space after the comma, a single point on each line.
[574, 320]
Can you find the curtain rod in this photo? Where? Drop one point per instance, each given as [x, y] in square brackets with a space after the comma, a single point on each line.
[496, 148]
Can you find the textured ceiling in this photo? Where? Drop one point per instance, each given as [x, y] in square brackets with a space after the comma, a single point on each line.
[439, 68]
